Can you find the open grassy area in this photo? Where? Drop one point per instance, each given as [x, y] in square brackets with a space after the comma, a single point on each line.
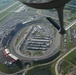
[4, 69]
[72, 57]
[8, 70]
[74, 26]
[69, 63]
[73, 17]
[8, 12]
[67, 69]
[40, 70]
[46, 69]
[67, 38]
[63, 65]
[38, 53]
[52, 68]
[21, 34]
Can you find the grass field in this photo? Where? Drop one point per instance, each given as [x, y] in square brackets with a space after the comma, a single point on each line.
[68, 42]
[69, 63]
[8, 12]
[7, 70]
[38, 53]
[21, 34]
[72, 57]
[40, 70]
[63, 65]
[4, 5]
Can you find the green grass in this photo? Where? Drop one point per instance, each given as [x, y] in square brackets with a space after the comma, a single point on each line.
[63, 65]
[4, 18]
[40, 70]
[52, 68]
[72, 57]
[68, 63]
[7, 70]
[67, 69]
[68, 42]
[4, 69]
[74, 26]
[73, 17]
[38, 53]
[8, 12]
[49, 68]
[21, 35]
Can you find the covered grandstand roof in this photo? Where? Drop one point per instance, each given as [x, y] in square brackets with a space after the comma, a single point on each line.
[13, 56]
[6, 51]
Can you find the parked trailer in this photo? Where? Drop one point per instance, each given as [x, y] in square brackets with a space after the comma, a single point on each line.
[6, 52]
[13, 56]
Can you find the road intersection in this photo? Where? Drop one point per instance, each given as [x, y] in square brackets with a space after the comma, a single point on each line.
[57, 63]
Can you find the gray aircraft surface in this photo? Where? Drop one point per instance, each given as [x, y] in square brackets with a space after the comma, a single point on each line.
[49, 4]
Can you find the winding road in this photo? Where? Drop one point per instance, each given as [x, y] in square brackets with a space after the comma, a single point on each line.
[57, 63]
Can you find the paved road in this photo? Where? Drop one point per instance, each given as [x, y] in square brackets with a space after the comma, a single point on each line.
[57, 63]
[70, 25]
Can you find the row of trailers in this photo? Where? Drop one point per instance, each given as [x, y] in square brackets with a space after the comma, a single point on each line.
[11, 57]
[38, 44]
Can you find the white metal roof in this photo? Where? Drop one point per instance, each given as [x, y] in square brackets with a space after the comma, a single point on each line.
[13, 56]
[7, 51]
